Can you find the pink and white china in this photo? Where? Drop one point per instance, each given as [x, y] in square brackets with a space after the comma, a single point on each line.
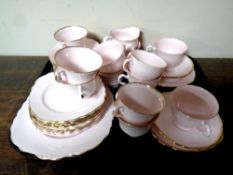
[192, 107]
[176, 81]
[143, 65]
[77, 65]
[172, 50]
[132, 130]
[53, 51]
[130, 78]
[72, 35]
[113, 56]
[165, 140]
[29, 139]
[181, 70]
[54, 101]
[185, 140]
[128, 36]
[138, 103]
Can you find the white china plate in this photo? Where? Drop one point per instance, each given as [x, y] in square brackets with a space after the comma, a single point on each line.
[181, 70]
[30, 140]
[44, 95]
[192, 139]
[174, 82]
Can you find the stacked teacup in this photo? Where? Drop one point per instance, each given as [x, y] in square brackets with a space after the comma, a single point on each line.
[114, 49]
[72, 101]
[136, 107]
[71, 36]
[143, 67]
[180, 69]
[74, 98]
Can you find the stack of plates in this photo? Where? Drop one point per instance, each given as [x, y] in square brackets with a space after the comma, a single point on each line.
[52, 133]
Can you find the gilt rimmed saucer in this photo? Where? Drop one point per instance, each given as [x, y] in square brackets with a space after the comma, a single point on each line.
[181, 70]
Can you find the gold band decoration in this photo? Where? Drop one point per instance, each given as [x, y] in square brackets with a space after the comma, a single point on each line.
[68, 127]
[185, 148]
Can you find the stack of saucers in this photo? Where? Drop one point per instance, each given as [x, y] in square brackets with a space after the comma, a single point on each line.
[189, 121]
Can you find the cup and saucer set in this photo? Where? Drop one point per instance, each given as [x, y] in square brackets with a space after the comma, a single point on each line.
[70, 110]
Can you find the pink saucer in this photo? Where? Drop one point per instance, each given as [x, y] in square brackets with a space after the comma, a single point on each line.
[181, 70]
[193, 140]
[174, 82]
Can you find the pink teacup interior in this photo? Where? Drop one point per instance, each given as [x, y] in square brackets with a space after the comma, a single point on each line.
[141, 98]
[78, 59]
[195, 101]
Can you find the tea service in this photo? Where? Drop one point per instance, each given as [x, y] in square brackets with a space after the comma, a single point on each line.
[72, 103]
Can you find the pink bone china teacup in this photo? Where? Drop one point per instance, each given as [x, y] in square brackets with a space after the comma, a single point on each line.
[192, 107]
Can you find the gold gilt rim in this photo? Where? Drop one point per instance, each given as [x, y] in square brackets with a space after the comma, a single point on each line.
[67, 123]
[188, 148]
[71, 129]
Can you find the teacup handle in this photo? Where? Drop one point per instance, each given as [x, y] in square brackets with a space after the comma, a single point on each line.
[150, 48]
[121, 77]
[116, 112]
[125, 63]
[204, 128]
[61, 76]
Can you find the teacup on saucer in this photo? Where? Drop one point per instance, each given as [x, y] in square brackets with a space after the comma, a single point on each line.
[53, 101]
[130, 78]
[192, 140]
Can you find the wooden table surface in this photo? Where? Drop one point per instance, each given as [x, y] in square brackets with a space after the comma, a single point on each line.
[117, 151]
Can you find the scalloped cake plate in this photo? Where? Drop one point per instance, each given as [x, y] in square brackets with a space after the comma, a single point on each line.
[29, 139]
